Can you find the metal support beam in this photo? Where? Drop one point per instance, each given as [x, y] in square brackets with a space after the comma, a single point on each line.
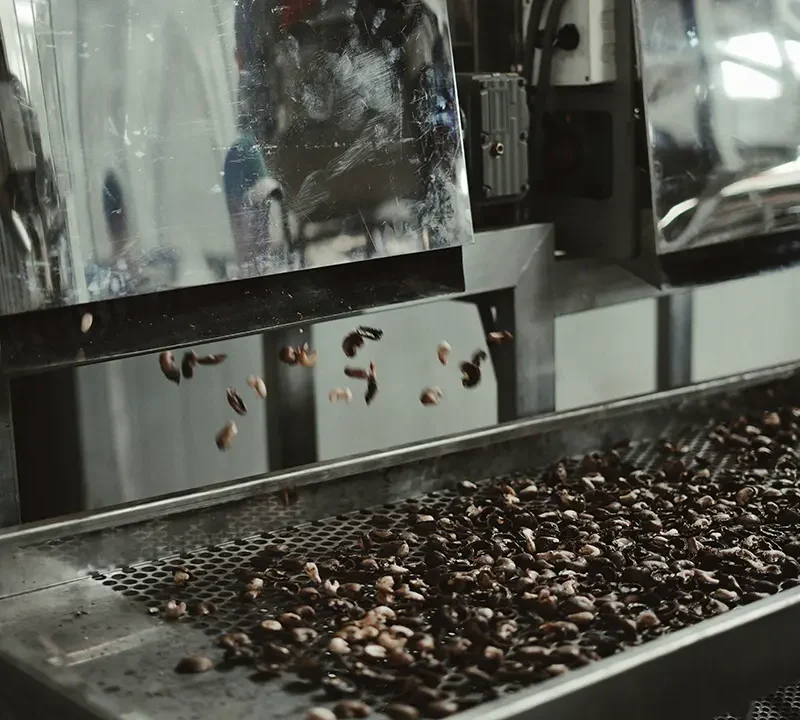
[525, 370]
[674, 340]
[9, 491]
[497, 313]
[46, 445]
[291, 405]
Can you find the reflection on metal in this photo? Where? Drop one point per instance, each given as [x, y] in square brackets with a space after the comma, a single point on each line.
[184, 143]
[509, 275]
[721, 84]
[674, 323]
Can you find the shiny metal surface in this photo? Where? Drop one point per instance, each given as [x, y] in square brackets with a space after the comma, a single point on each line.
[420, 467]
[509, 278]
[508, 275]
[182, 144]
[674, 322]
[134, 326]
[587, 284]
[720, 82]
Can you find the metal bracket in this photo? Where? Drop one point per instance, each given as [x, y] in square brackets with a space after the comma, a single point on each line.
[509, 275]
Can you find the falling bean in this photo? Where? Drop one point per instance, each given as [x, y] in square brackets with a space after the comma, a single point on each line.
[235, 401]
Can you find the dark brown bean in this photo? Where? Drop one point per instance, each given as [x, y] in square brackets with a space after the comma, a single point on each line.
[216, 359]
[398, 711]
[441, 709]
[351, 709]
[372, 391]
[235, 401]
[276, 653]
[470, 374]
[166, 361]
[352, 343]
[357, 373]
[288, 355]
[194, 664]
[224, 438]
[188, 364]
[370, 333]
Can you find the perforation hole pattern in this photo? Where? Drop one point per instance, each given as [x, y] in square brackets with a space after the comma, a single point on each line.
[784, 704]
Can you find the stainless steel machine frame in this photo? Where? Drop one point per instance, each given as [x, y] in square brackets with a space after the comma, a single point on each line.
[518, 283]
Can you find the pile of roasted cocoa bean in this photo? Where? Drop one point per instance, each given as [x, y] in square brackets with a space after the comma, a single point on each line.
[526, 577]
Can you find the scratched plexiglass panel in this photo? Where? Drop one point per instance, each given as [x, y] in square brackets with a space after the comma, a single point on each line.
[190, 142]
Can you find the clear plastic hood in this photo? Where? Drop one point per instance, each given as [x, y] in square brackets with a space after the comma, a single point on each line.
[183, 143]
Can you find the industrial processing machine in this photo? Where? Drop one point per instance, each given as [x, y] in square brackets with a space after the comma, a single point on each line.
[175, 174]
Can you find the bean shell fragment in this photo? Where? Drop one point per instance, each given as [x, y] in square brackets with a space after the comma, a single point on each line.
[343, 394]
[431, 396]
[288, 355]
[502, 336]
[372, 391]
[312, 571]
[443, 352]
[258, 385]
[371, 333]
[224, 437]
[174, 610]
[478, 357]
[307, 358]
[321, 713]
[181, 576]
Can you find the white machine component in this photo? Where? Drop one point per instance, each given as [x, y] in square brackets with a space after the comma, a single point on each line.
[592, 61]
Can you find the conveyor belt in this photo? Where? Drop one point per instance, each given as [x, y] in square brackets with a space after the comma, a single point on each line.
[117, 656]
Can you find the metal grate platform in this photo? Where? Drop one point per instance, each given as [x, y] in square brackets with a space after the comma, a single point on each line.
[220, 572]
[783, 704]
[121, 658]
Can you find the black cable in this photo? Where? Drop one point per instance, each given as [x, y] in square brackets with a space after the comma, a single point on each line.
[541, 91]
[528, 64]
[531, 33]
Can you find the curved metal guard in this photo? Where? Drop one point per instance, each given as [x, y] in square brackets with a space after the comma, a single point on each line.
[721, 84]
